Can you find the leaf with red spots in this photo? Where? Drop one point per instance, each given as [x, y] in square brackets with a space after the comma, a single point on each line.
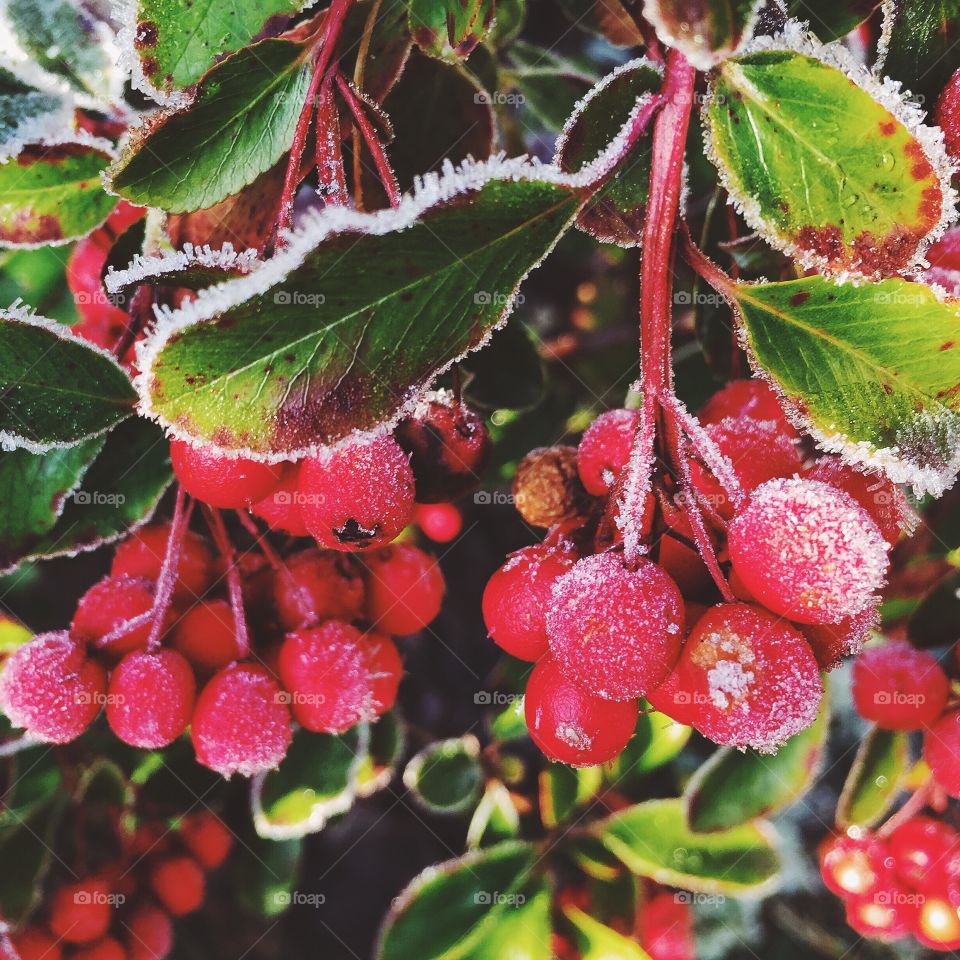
[705, 32]
[827, 164]
[449, 29]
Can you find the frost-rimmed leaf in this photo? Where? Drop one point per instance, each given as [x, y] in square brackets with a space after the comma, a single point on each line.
[597, 941]
[51, 193]
[57, 389]
[872, 371]
[706, 32]
[875, 778]
[832, 19]
[264, 873]
[240, 123]
[495, 818]
[825, 161]
[653, 840]
[29, 114]
[388, 742]
[446, 776]
[616, 213]
[449, 29]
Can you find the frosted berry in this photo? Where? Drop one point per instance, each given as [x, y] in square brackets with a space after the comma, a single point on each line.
[938, 924]
[404, 589]
[206, 635]
[241, 723]
[855, 865]
[449, 447]
[358, 497]
[51, 689]
[941, 750]
[441, 522]
[106, 606]
[149, 934]
[281, 507]
[572, 726]
[80, 912]
[831, 642]
[150, 698]
[886, 915]
[604, 449]
[386, 667]
[105, 949]
[745, 398]
[516, 597]
[898, 687]
[808, 551]
[926, 853]
[754, 679]
[946, 115]
[220, 481]
[207, 839]
[32, 943]
[178, 884]
[615, 632]
[318, 586]
[141, 555]
[547, 488]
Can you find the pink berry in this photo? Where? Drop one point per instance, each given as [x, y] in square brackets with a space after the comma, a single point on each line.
[441, 522]
[318, 586]
[665, 927]
[886, 915]
[898, 687]
[941, 750]
[281, 507]
[615, 632]
[50, 689]
[516, 597]
[679, 696]
[744, 398]
[946, 114]
[178, 884]
[206, 635]
[207, 839]
[32, 943]
[221, 481]
[241, 723]
[358, 497]
[106, 606]
[855, 865]
[150, 698]
[605, 449]
[831, 642]
[80, 912]
[572, 726]
[149, 934]
[926, 853]
[105, 949]
[808, 551]
[404, 589]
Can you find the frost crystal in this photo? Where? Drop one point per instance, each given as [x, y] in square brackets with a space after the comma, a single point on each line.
[145, 269]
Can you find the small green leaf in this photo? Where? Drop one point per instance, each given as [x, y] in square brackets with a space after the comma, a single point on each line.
[28, 114]
[874, 369]
[56, 389]
[564, 789]
[52, 194]
[875, 778]
[823, 170]
[705, 33]
[596, 941]
[446, 776]
[921, 52]
[241, 122]
[510, 723]
[734, 787]
[264, 874]
[449, 29]
[654, 841]
[494, 819]
[657, 741]
[388, 741]
[832, 19]
[522, 932]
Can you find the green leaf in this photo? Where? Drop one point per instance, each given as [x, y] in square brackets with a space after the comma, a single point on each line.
[705, 33]
[548, 87]
[177, 41]
[735, 787]
[388, 741]
[921, 52]
[616, 213]
[264, 874]
[522, 932]
[192, 268]
[35, 782]
[38, 277]
[390, 45]
[449, 29]
[13, 635]
[832, 19]
[28, 114]
[873, 370]
[596, 941]
[875, 779]
[494, 819]
[52, 193]
[270, 377]
[509, 19]
[933, 622]
[845, 195]
[56, 389]
[471, 894]
[657, 741]
[564, 789]
[241, 122]
[446, 776]
[654, 841]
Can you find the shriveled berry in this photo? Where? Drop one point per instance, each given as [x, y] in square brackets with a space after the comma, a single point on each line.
[604, 449]
[547, 488]
[281, 507]
[946, 115]
[33, 943]
[207, 636]
[926, 853]
[220, 481]
[150, 698]
[941, 750]
[831, 642]
[207, 839]
[808, 551]
[106, 949]
[616, 632]
[106, 606]
[572, 726]
[80, 912]
[149, 933]
[404, 589]
[855, 865]
[744, 398]
[178, 883]
[318, 586]
[898, 687]
[938, 924]
[51, 689]
[241, 723]
[358, 497]
[441, 522]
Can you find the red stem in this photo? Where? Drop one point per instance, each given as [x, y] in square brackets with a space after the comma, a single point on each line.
[167, 580]
[229, 554]
[331, 179]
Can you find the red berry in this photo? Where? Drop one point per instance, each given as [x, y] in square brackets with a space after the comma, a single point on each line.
[318, 586]
[808, 551]
[358, 497]
[32, 943]
[206, 635]
[449, 448]
[941, 750]
[404, 589]
[572, 726]
[221, 481]
[926, 853]
[150, 698]
[946, 115]
[888, 914]
[665, 927]
[207, 839]
[754, 679]
[616, 632]
[101, 321]
[744, 398]
[241, 723]
[898, 687]
[685, 567]
[51, 689]
[679, 696]
[831, 642]
[81, 912]
[105, 949]
[334, 675]
[281, 507]
[605, 449]
[516, 597]
[441, 522]
[149, 934]
[178, 884]
[944, 259]
[938, 924]
[855, 865]
[142, 554]
[106, 606]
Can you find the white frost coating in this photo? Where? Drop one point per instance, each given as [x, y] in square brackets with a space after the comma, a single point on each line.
[889, 10]
[318, 226]
[884, 91]
[142, 269]
[637, 483]
[41, 127]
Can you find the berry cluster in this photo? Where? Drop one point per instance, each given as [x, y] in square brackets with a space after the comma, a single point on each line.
[124, 911]
[799, 546]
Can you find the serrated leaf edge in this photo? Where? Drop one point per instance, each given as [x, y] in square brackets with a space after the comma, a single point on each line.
[147, 269]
